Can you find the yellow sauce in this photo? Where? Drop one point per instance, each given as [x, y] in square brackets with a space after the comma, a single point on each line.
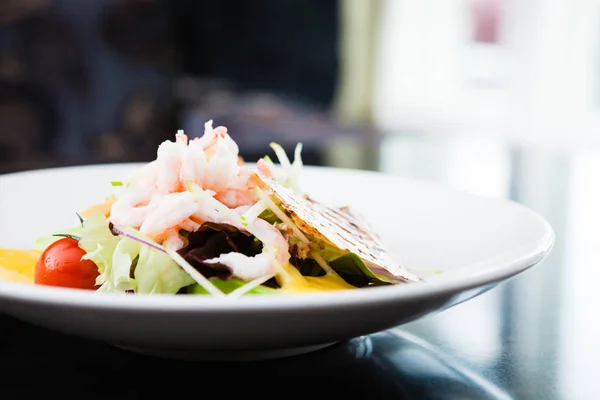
[291, 281]
[18, 265]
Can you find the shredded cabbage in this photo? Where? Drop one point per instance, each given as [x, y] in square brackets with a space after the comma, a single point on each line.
[281, 215]
[290, 174]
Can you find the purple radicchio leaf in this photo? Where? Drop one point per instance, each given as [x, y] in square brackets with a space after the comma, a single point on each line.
[213, 239]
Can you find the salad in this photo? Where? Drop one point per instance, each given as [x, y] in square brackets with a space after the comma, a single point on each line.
[198, 220]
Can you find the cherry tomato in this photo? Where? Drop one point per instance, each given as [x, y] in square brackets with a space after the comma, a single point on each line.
[61, 265]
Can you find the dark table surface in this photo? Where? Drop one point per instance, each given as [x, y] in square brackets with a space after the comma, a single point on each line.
[534, 337]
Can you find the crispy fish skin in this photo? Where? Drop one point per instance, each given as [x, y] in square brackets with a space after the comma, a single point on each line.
[340, 227]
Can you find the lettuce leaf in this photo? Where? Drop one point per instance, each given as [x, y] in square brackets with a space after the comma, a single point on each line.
[350, 266]
[126, 264]
[354, 270]
[228, 286]
[124, 260]
[156, 272]
[43, 242]
[99, 243]
[270, 216]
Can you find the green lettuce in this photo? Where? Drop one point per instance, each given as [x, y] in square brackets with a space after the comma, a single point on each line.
[43, 242]
[126, 264]
[350, 265]
[270, 216]
[124, 260]
[99, 243]
[156, 272]
[228, 286]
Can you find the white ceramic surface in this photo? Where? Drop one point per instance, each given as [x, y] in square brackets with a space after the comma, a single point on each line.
[476, 242]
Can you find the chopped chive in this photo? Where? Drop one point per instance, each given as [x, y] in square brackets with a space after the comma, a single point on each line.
[116, 183]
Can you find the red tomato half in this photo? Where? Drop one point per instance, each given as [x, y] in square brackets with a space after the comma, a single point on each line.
[61, 265]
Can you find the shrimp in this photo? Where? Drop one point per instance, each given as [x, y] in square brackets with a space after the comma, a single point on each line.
[193, 164]
[213, 211]
[169, 211]
[236, 198]
[174, 240]
[189, 225]
[156, 200]
[212, 136]
[240, 191]
[272, 239]
[221, 169]
[244, 267]
[169, 166]
[132, 208]
[264, 168]
[242, 180]
[275, 253]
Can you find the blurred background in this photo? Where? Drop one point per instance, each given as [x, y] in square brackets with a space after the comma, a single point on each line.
[496, 97]
[108, 80]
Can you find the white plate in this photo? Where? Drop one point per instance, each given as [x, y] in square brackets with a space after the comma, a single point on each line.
[476, 242]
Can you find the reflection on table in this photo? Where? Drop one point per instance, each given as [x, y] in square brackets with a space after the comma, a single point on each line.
[536, 336]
